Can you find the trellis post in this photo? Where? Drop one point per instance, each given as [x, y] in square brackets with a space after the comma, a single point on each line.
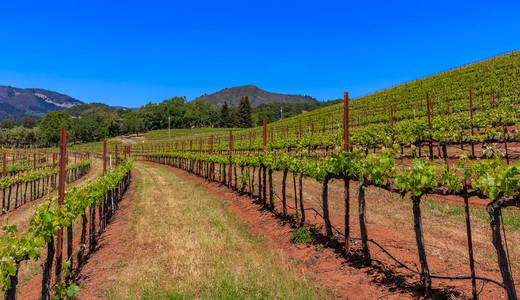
[116, 155]
[264, 130]
[230, 154]
[470, 245]
[471, 122]
[4, 175]
[104, 157]
[430, 144]
[346, 147]
[346, 144]
[61, 198]
[300, 127]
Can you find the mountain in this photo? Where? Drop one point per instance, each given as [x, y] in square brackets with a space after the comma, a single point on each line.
[16, 103]
[256, 97]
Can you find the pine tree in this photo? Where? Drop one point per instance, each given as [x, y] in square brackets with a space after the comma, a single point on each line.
[244, 119]
[226, 116]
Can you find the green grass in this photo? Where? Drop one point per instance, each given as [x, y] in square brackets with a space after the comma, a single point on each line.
[301, 235]
[187, 245]
[511, 216]
[176, 133]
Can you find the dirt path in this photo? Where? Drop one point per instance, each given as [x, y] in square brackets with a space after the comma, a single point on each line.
[192, 247]
[128, 140]
[327, 265]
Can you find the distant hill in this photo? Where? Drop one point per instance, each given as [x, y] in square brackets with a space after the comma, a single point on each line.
[256, 97]
[16, 103]
[92, 108]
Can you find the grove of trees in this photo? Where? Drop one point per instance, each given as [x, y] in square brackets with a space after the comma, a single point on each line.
[85, 124]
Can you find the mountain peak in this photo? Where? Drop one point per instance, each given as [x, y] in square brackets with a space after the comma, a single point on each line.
[32, 102]
[256, 96]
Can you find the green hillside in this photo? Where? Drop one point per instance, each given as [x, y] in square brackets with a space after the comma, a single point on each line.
[495, 90]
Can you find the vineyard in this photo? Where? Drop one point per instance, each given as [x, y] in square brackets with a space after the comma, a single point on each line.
[39, 230]
[419, 183]
[404, 141]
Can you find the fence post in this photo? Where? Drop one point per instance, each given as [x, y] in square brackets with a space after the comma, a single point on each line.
[116, 155]
[265, 133]
[470, 245]
[346, 147]
[430, 145]
[300, 127]
[104, 157]
[346, 144]
[4, 174]
[471, 120]
[230, 154]
[61, 197]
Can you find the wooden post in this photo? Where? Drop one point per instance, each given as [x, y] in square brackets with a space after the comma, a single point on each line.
[300, 128]
[346, 147]
[104, 157]
[230, 142]
[429, 125]
[470, 247]
[346, 144]
[4, 174]
[231, 153]
[200, 145]
[265, 134]
[391, 112]
[116, 156]
[471, 120]
[61, 197]
[211, 144]
[34, 161]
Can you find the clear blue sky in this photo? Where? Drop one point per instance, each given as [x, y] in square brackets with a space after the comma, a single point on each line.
[128, 52]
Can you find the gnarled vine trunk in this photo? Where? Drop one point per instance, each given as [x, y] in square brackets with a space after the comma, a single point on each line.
[417, 221]
[325, 204]
[494, 210]
[362, 224]
[284, 196]
[300, 183]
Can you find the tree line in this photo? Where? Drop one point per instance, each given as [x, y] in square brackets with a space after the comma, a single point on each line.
[88, 125]
[96, 121]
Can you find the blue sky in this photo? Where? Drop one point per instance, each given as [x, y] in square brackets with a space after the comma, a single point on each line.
[131, 52]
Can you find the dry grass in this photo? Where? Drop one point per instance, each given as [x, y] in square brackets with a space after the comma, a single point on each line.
[390, 221]
[187, 245]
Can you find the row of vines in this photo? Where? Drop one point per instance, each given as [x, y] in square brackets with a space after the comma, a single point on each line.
[51, 227]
